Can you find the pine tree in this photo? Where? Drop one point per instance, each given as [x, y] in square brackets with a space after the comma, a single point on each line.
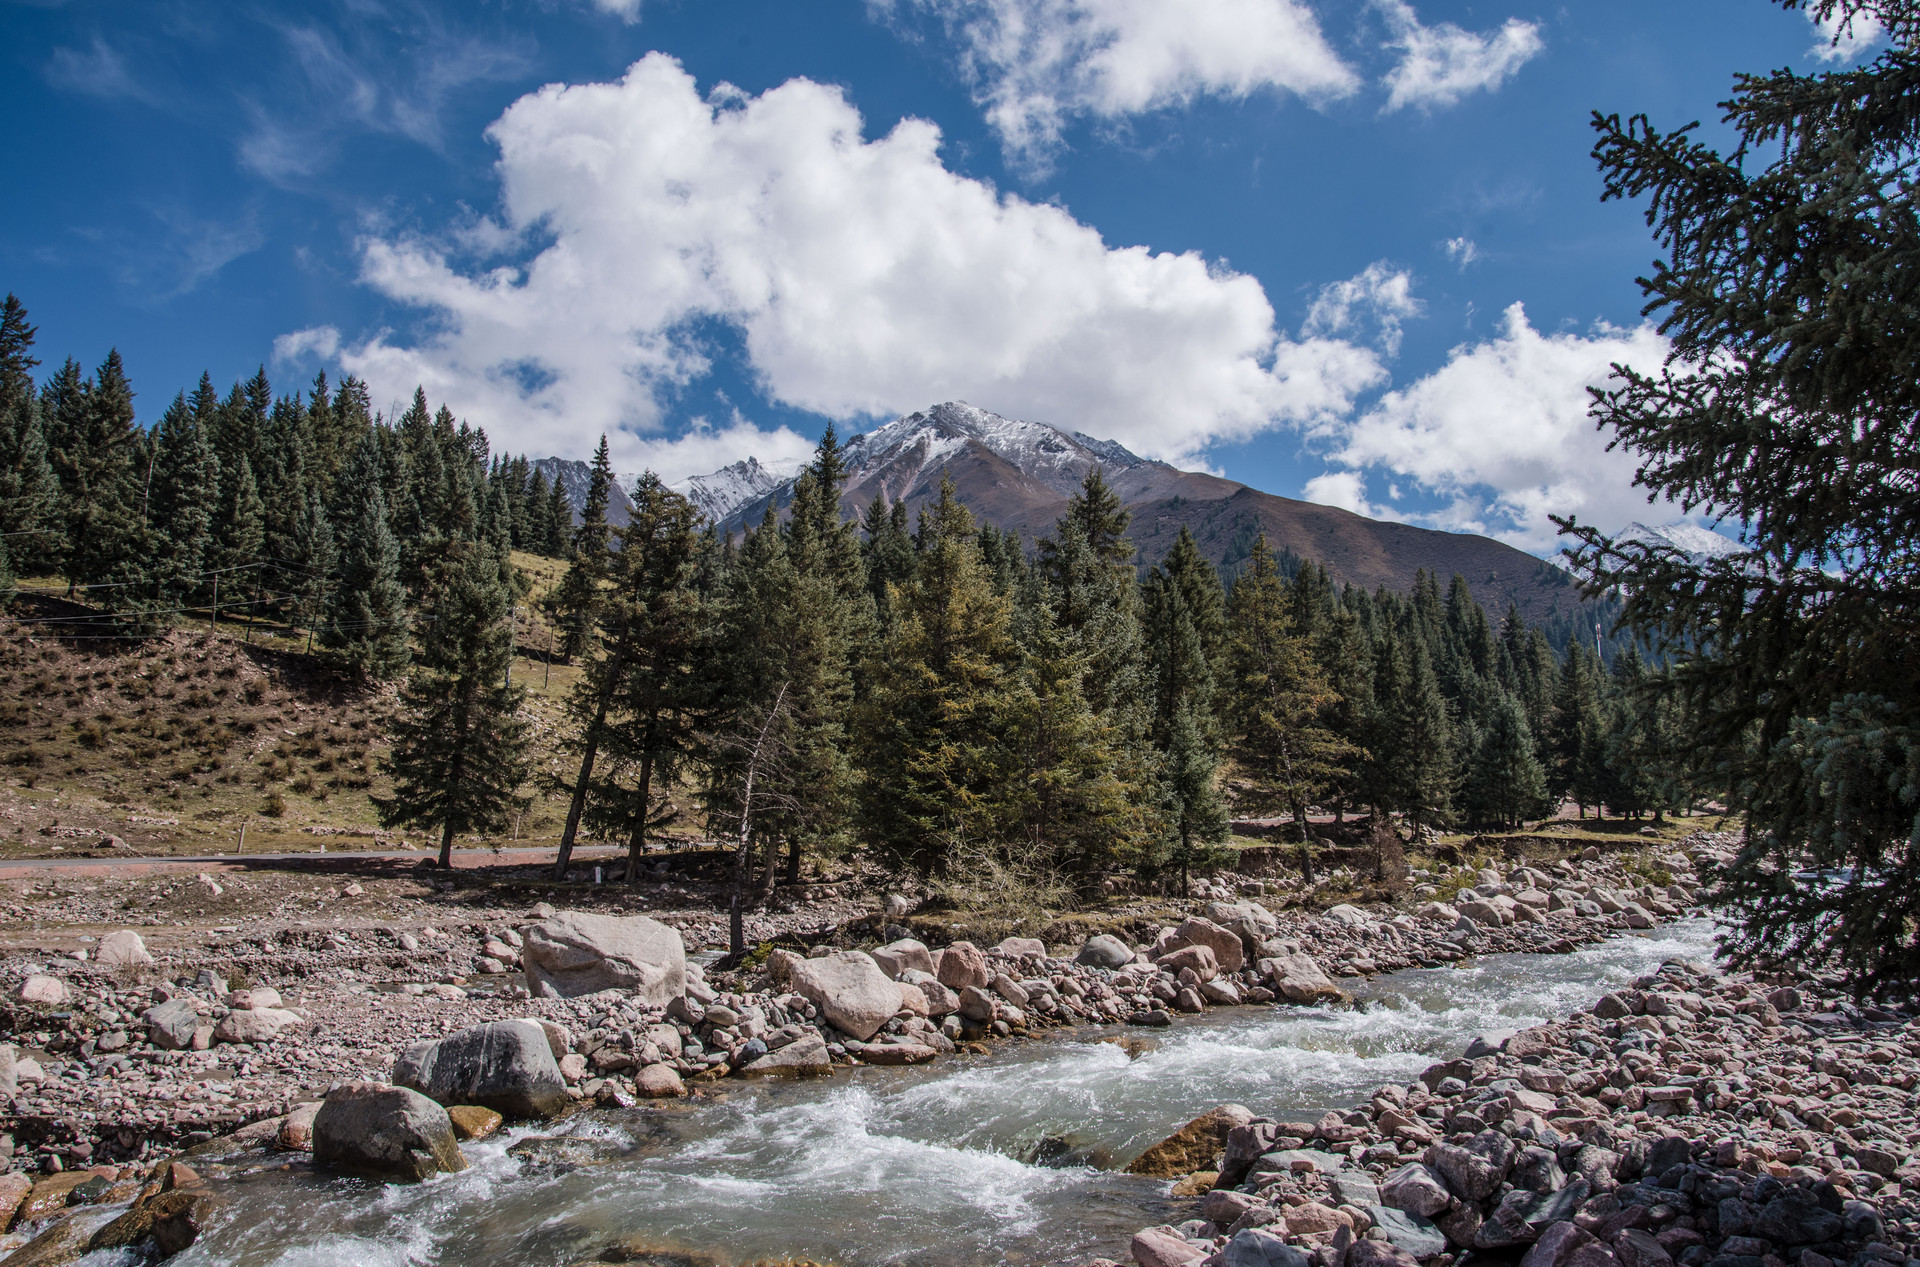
[559, 523]
[930, 733]
[889, 556]
[240, 536]
[460, 746]
[1068, 809]
[29, 491]
[182, 501]
[539, 515]
[1413, 742]
[1506, 782]
[658, 689]
[367, 608]
[1788, 407]
[575, 605]
[100, 465]
[1576, 726]
[313, 562]
[1275, 697]
[1185, 636]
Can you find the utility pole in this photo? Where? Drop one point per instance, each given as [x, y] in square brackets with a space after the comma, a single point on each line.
[216, 604]
[513, 627]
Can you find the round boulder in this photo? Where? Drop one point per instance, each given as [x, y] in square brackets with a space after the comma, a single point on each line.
[577, 953]
[506, 1066]
[370, 1128]
[849, 988]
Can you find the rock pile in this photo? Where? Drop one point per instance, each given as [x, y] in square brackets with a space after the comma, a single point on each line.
[1692, 1119]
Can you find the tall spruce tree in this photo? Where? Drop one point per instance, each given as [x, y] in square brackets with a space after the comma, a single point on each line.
[1788, 406]
[575, 605]
[656, 687]
[99, 460]
[1185, 636]
[1288, 760]
[1505, 781]
[934, 762]
[313, 565]
[181, 504]
[367, 622]
[460, 745]
[29, 491]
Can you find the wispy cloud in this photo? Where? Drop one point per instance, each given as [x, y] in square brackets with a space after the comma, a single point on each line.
[1462, 251]
[342, 78]
[98, 70]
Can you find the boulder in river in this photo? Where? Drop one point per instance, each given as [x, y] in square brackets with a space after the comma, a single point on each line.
[506, 1066]
[1298, 979]
[576, 953]
[390, 1132]
[1228, 950]
[846, 985]
[805, 1055]
[1194, 1146]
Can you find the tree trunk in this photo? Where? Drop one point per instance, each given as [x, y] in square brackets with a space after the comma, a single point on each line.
[793, 859]
[579, 804]
[772, 870]
[637, 843]
[736, 913]
[446, 846]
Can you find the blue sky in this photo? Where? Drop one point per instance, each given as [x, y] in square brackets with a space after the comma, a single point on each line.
[1353, 252]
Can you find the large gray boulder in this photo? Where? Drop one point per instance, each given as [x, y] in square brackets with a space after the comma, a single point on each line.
[849, 988]
[506, 1066]
[905, 955]
[804, 1055]
[1104, 951]
[1417, 1190]
[122, 949]
[370, 1128]
[170, 1025]
[1298, 979]
[1257, 1247]
[576, 953]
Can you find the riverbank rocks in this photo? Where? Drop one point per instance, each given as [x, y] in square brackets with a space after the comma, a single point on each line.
[849, 988]
[123, 949]
[576, 953]
[42, 989]
[803, 1056]
[1229, 952]
[1104, 951]
[961, 965]
[1195, 1146]
[385, 1131]
[905, 955]
[506, 1066]
[255, 1025]
[1298, 979]
[170, 1025]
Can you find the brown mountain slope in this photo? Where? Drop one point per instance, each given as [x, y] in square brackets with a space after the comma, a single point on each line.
[1020, 475]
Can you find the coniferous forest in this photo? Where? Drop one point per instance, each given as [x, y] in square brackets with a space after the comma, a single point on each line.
[938, 692]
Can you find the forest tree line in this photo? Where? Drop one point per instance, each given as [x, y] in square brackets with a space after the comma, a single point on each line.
[932, 688]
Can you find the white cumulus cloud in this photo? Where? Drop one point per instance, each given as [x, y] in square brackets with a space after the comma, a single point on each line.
[863, 278]
[1037, 64]
[1841, 39]
[1379, 296]
[1442, 63]
[1501, 434]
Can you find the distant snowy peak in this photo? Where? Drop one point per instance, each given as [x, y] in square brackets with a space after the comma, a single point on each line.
[894, 458]
[1697, 543]
[574, 476]
[732, 489]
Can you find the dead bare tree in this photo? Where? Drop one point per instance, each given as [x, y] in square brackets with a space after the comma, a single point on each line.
[765, 750]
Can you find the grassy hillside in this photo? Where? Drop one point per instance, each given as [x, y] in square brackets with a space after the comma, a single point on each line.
[173, 744]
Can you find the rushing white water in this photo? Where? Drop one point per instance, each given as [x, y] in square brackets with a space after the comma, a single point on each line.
[923, 1166]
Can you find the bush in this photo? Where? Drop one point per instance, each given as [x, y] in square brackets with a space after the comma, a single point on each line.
[274, 805]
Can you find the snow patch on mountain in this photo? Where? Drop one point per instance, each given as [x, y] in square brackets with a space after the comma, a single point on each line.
[1697, 543]
[733, 488]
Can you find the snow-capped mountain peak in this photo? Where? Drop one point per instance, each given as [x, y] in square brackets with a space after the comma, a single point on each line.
[731, 488]
[1697, 543]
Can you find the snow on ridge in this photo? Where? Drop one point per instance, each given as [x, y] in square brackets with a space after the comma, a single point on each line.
[1697, 543]
[732, 488]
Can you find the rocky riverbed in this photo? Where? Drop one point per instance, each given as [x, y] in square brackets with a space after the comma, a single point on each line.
[103, 1084]
[1694, 1118]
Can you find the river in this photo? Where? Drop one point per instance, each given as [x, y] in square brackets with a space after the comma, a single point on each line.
[929, 1166]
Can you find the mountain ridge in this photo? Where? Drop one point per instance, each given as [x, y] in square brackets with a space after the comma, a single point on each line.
[1020, 475]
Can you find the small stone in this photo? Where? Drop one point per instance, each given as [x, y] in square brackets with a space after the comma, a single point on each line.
[49, 991]
[472, 1121]
[659, 1082]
